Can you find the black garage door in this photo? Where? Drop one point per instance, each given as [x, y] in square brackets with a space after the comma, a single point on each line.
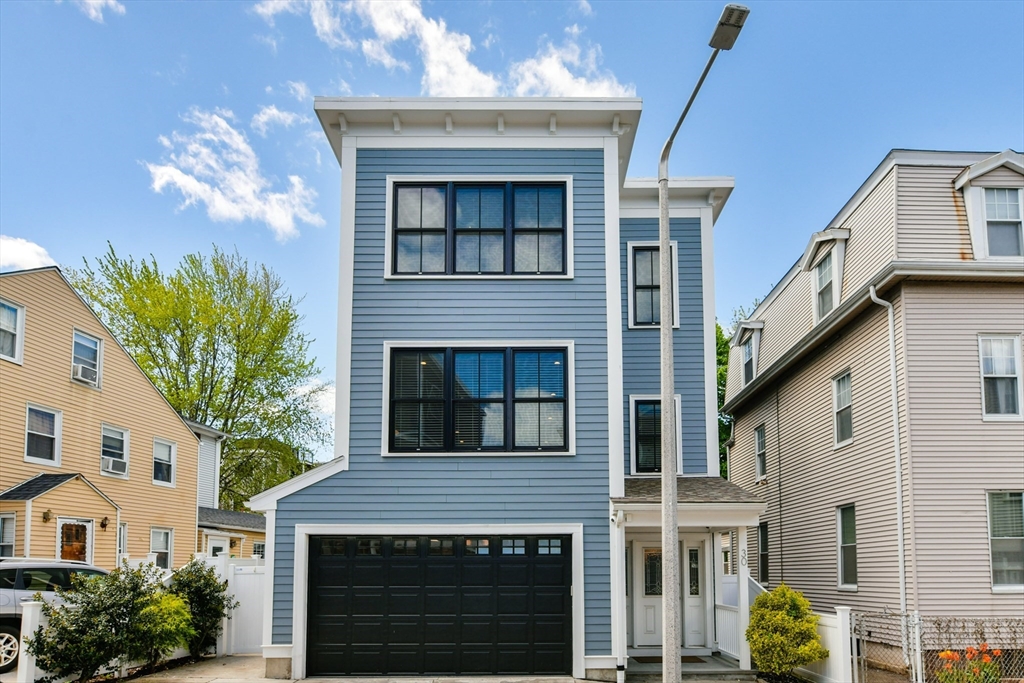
[439, 605]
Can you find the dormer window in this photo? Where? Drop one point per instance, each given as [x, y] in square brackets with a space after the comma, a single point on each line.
[823, 273]
[748, 360]
[748, 338]
[1003, 222]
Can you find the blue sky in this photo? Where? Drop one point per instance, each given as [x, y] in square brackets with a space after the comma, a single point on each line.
[167, 127]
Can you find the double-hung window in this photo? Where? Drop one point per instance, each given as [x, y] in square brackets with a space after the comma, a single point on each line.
[1003, 222]
[1000, 372]
[842, 397]
[42, 435]
[114, 451]
[644, 272]
[7, 535]
[760, 454]
[479, 228]
[259, 549]
[478, 400]
[161, 544]
[748, 360]
[645, 430]
[823, 287]
[12, 331]
[164, 453]
[846, 518]
[1006, 537]
[86, 358]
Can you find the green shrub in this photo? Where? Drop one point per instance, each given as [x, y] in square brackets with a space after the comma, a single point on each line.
[165, 624]
[110, 620]
[783, 631]
[208, 603]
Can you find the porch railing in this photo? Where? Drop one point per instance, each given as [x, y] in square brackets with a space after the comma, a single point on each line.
[727, 624]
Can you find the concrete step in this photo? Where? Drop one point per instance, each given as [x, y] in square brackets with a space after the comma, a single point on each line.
[695, 677]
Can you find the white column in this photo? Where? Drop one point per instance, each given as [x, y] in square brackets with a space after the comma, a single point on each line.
[618, 590]
[31, 618]
[719, 574]
[743, 579]
[845, 653]
[268, 581]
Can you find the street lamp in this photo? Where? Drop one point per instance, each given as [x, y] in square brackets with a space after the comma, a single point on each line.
[728, 29]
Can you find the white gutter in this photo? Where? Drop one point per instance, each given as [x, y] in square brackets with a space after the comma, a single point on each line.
[897, 452]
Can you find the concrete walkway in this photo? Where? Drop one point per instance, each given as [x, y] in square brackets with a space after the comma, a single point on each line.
[234, 669]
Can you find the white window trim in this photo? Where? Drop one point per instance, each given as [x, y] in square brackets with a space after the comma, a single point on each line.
[1003, 587]
[996, 417]
[259, 543]
[174, 463]
[126, 435]
[836, 443]
[389, 260]
[19, 346]
[170, 543]
[99, 359]
[13, 517]
[122, 533]
[569, 347]
[755, 348]
[57, 428]
[977, 219]
[760, 476]
[90, 535]
[837, 278]
[633, 398]
[850, 587]
[674, 249]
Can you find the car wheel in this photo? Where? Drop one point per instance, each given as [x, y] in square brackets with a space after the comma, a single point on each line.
[9, 642]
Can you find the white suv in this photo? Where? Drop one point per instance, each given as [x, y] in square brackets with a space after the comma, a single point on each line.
[20, 579]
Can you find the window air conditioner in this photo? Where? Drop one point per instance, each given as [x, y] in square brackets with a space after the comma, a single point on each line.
[114, 465]
[83, 373]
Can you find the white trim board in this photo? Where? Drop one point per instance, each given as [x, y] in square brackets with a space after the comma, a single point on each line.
[613, 296]
[570, 406]
[346, 284]
[707, 269]
[391, 179]
[301, 571]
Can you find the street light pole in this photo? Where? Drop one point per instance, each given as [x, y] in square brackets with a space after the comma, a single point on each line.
[729, 25]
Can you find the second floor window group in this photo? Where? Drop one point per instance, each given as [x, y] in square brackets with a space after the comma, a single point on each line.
[480, 229]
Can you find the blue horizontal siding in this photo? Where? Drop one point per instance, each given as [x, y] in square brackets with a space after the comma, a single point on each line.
[641, 349]
[501, 489]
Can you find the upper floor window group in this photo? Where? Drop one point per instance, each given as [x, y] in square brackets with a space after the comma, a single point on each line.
[480, 229]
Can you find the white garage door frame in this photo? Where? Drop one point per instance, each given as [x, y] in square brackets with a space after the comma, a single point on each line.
[301, 574]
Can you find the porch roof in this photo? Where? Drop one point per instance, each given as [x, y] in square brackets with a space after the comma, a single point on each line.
[647, 490]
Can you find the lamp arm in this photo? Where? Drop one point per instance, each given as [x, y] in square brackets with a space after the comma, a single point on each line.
[667, 149]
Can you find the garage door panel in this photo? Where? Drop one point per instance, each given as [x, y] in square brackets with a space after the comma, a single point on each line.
[445, 605]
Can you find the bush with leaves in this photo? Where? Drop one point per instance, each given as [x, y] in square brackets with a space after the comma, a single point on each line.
[783, 631]
[208, 603]
[107, 621]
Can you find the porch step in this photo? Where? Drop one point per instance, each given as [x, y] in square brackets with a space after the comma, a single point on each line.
[695, 676]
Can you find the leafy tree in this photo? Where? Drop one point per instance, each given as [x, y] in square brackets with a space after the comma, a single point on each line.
[220, 338]
[783, 631]
[208, 603]
[724, 420]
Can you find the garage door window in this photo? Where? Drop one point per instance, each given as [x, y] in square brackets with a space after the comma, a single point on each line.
[513, 546]
[478, 546]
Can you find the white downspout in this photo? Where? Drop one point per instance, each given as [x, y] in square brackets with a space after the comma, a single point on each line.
[897, 453]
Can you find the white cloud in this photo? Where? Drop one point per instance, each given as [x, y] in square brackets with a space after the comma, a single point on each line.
[323, 13]
[94, 8]
[299, 90]
[215, 165]
[17, 253]
[584, 8]
[566, 71]
[269, 41]
[268, 116]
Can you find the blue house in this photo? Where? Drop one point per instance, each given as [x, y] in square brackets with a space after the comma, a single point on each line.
[493, 503]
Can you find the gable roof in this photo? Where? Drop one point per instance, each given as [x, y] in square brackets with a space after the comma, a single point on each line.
[67, 283]
[230, 518]
[44, 483]
[1008, 158]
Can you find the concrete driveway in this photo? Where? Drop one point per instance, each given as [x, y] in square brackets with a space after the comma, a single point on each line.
[218, 670]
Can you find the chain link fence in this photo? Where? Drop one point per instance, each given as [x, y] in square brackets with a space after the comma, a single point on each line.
[890, 647]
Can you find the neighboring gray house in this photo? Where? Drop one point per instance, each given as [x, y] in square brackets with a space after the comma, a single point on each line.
[492, 507]
[938, 236]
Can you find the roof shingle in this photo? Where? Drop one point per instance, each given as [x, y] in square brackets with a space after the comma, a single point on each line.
[690, 490]
[36, 486]
[230, 518]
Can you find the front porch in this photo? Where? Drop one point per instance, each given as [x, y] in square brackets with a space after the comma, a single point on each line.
[715, 590]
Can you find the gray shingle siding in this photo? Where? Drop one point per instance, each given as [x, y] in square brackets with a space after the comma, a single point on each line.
[493, 489]
[641, 349]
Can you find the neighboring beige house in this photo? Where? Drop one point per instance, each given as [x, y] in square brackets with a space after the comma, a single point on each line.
[938, 236]
[94, 463]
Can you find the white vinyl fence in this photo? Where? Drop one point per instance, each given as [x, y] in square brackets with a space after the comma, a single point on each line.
[834, 630]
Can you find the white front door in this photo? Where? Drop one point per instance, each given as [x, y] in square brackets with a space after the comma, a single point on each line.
[647, 607]
[217, 545]
[694, 587]
[74, 539]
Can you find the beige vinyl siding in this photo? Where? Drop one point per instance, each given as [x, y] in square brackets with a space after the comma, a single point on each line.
[17, 508]
[77, 499]
[816, 478]
[930, 214]
[734, 373]
[126, 399]
[1000, 177]
[786, 320]
[872, 242]
[957, 456]
[243, 546]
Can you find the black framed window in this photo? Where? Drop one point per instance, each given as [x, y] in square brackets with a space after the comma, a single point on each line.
[647, 440]
[646, 286]
[480, 229]
[494, 399]
[762, 553]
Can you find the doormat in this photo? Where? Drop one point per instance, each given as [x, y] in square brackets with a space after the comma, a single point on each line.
[685, 659]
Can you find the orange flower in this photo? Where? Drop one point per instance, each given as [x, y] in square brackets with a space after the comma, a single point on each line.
[997, 653]
[949, 666]
[986, 659]
[971, 653]
[976, 671]
[984, 646]
[945, 654]
[955, 656]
